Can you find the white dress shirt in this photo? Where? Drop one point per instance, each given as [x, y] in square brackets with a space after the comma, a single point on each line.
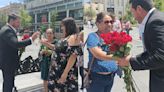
[142, 26]
[12, 27]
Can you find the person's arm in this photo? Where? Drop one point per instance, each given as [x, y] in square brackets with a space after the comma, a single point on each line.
[97, 52]
[47, 44]
[71, 61]
[154, 57]
[72, 41]
[10, 38]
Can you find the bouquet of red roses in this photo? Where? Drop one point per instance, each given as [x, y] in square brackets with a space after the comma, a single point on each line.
[118, 43]
[119, 46]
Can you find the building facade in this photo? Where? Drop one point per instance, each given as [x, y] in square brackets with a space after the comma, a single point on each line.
[6, 10]
[118, 7]
[41, 10]
[97, 7]
[11, 8]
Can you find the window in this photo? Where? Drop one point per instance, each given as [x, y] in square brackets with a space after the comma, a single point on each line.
[61, 15]
[57, 30]
[76, 14]
[42, 17]
[111, 10]
[78, 4]
[61, 7]
[70, 5]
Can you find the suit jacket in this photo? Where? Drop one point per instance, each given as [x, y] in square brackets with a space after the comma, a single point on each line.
[9, 48]
[153, 58]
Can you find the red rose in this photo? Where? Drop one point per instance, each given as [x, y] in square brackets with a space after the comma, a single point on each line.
[26, 36]
[116, 40]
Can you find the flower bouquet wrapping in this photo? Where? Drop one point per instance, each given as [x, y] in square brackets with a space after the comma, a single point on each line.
[119, 46]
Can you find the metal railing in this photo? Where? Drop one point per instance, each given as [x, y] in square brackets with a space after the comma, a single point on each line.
[28, 65]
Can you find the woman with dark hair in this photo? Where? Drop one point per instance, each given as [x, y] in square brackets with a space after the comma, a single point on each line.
[63, 74]
[69, 27]
[104, 66]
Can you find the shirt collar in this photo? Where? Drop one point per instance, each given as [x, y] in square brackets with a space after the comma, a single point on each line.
[12, 27]
[147, 16]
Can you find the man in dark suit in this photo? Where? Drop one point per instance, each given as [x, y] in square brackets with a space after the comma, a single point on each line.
[9, 45]
[152, 30]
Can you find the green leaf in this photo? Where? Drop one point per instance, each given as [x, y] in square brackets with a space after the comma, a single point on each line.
[129, 45]
[122, 49]
[127, 51]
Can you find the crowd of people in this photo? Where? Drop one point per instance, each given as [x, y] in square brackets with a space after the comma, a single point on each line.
[58, 57]
[61, 58]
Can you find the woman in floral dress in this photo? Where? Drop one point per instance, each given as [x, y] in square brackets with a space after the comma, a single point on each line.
[63, 74]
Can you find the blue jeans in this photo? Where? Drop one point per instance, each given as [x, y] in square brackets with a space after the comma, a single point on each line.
[101, 83]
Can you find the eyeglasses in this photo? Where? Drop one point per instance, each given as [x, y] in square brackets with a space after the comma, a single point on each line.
[107, 22]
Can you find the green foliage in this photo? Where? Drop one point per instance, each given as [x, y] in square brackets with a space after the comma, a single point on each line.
[3, 19]
[124, 51]
[130, 87]
[159, 4]
[90, 13]
[128, 16]
[128, 79]
[43, 28]
[54, 15]
[25, 18]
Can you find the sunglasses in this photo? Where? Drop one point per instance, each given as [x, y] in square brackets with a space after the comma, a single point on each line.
[107, 22]
[49, 33]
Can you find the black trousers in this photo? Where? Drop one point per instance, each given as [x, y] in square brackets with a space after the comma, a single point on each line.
[8, 79]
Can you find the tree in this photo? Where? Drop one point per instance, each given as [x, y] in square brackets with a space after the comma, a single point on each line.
[53, 15]
[159, 4]
[3, 19]
[128, 15]
[89, 12]
[26, 19]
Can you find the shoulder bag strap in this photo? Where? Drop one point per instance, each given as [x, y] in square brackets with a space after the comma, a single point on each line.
[93, 58]
[92, 61]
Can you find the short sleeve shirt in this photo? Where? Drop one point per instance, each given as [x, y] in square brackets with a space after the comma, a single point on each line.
[99, 65]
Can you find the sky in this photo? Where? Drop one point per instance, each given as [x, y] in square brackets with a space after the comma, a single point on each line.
[6, 2]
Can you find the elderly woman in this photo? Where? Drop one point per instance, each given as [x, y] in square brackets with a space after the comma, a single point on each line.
[45, 55]
[103, 67]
